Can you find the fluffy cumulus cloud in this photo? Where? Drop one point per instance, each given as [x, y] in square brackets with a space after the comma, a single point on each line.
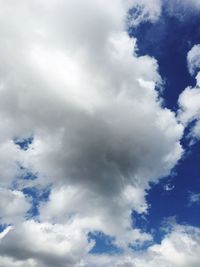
[70, 77]
[189, 100]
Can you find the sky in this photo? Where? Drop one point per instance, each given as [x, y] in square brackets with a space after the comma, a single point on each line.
[99, 133]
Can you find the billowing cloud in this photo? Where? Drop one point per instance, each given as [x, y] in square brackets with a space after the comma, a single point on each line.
[70, 77]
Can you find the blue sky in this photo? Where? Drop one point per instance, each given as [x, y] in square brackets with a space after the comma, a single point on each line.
[100, 130]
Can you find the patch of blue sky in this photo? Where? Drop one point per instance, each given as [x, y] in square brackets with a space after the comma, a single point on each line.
[24, 177]
[23, 143]
[37, 196]
[103, 243]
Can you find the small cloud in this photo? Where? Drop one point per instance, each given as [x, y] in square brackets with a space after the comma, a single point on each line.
[169, 187]
[194, 198]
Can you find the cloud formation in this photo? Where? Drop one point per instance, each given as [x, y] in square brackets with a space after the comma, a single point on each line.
[71, 79]
[55, 244]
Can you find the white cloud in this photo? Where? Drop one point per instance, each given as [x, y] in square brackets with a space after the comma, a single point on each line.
[10, 157]
[193, 58]
[13, 206]
[98, 123]
[70, 76]
[75, 99]
[189, 105]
